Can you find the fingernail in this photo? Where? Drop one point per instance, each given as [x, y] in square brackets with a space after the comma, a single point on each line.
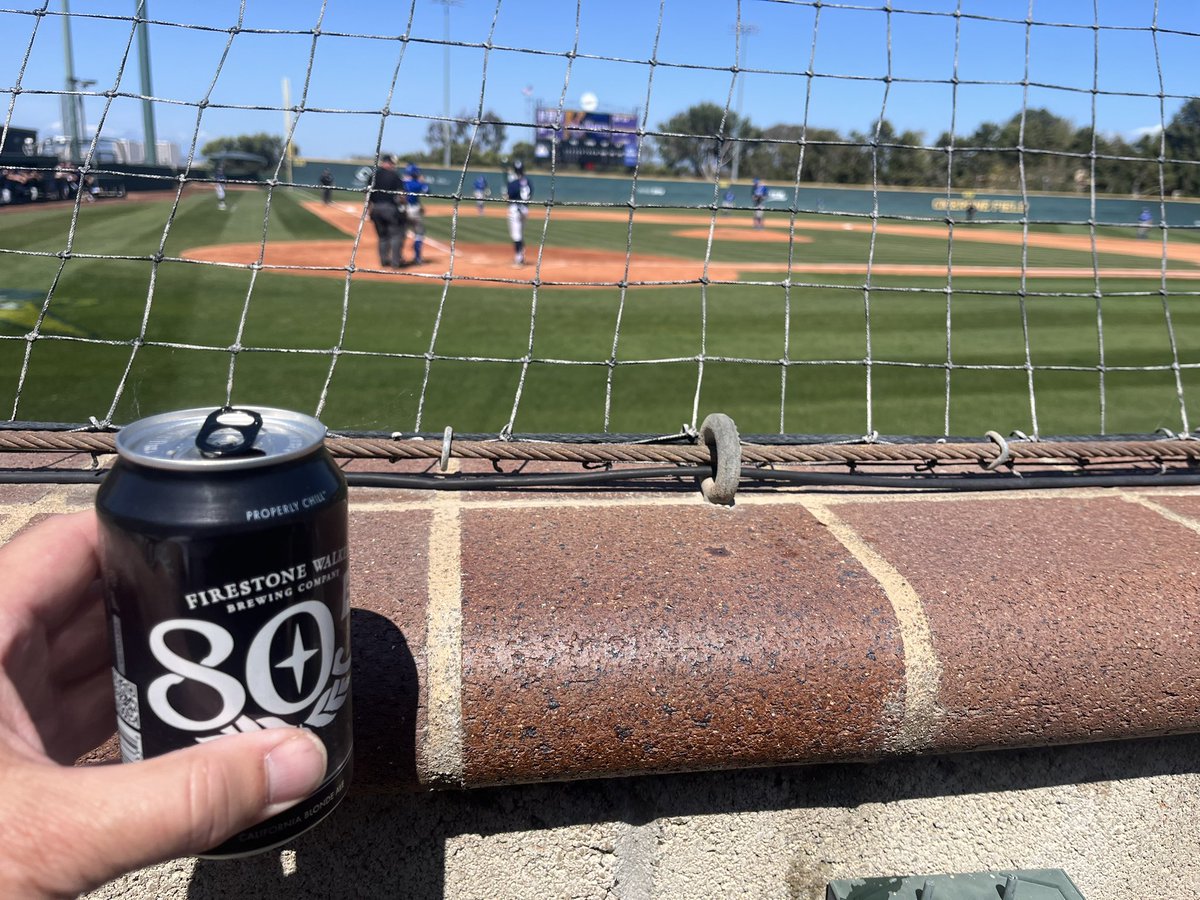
[294, 769]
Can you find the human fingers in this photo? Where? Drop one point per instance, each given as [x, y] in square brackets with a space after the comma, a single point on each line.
[116, 819]
[49, 568]
[80, 646]
[82, 718]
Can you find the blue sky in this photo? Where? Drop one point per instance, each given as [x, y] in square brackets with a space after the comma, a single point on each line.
[847, 44]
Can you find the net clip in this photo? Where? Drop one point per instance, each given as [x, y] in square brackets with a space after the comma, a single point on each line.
[447, 440]
[1005, 454]
[720, 434]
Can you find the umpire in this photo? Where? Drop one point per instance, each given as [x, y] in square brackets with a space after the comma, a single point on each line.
[387, 212]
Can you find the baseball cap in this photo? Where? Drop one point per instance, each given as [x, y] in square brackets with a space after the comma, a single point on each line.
[518, 166]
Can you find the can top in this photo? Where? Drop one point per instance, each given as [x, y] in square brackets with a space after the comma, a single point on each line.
[206, 440]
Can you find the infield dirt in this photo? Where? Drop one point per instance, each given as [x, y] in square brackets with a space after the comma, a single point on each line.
[491, 264]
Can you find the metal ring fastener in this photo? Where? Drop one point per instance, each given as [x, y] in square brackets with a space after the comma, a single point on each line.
[1005, 454]
[447, 439]
[720, 434]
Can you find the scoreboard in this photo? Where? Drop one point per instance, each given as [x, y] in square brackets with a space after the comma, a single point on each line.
[590, 140]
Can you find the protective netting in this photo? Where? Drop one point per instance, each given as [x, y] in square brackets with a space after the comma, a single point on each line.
[1000, 271]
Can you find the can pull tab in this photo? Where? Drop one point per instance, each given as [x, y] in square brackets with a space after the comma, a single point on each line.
[229, 431]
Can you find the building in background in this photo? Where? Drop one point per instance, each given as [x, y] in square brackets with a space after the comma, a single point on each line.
[115, 150]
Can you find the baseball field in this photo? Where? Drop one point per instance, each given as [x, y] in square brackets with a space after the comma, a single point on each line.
[877, 333]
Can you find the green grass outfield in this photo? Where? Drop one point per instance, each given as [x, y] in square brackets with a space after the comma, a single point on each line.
[70, 380]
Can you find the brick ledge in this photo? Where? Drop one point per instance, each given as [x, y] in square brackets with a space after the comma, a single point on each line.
[505, 638]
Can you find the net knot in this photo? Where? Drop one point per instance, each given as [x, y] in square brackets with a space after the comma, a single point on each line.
[1170, 435]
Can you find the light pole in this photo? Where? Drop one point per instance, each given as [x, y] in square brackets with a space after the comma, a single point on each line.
[69, 106]
[742, 31]
[446, 4]
[149, 138]
[82, 84]
[287, 128]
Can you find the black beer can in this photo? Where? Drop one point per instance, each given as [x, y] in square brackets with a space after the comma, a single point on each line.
[223, 541]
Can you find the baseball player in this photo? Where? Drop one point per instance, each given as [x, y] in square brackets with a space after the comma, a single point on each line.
[728, 201]
[1144, 222]
[219, 187]
[481, 191]
[520, 192]
[759, 194]
[414, 186]
[384, 203]
[326, 187]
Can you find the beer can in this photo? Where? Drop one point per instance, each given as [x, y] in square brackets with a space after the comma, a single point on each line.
[224, 555]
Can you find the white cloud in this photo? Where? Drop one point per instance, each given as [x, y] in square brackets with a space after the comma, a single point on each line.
[1147, 131]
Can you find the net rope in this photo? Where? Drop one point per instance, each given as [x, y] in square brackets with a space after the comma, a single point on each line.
[874, 289]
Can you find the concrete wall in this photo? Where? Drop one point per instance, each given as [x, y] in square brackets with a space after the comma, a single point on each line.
[1120, 818]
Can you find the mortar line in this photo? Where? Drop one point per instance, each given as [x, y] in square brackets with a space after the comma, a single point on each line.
[1170, 514]
[648, 498]
[443, 744]
[773, 499]
[17, 516]
[438, 500]
[922, 668]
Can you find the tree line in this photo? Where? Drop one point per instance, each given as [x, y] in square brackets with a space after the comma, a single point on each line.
[704, 140]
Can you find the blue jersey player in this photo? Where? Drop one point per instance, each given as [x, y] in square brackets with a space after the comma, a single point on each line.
[481, 191]
[414, 186]
[759, 195]
[1145, 220]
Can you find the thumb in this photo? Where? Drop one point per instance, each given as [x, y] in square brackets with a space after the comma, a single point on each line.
[125, 817]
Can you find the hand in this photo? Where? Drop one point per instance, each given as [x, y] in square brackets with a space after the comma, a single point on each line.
[63, 829]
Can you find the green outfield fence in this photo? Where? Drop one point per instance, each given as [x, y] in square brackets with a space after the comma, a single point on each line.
[925, 204]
